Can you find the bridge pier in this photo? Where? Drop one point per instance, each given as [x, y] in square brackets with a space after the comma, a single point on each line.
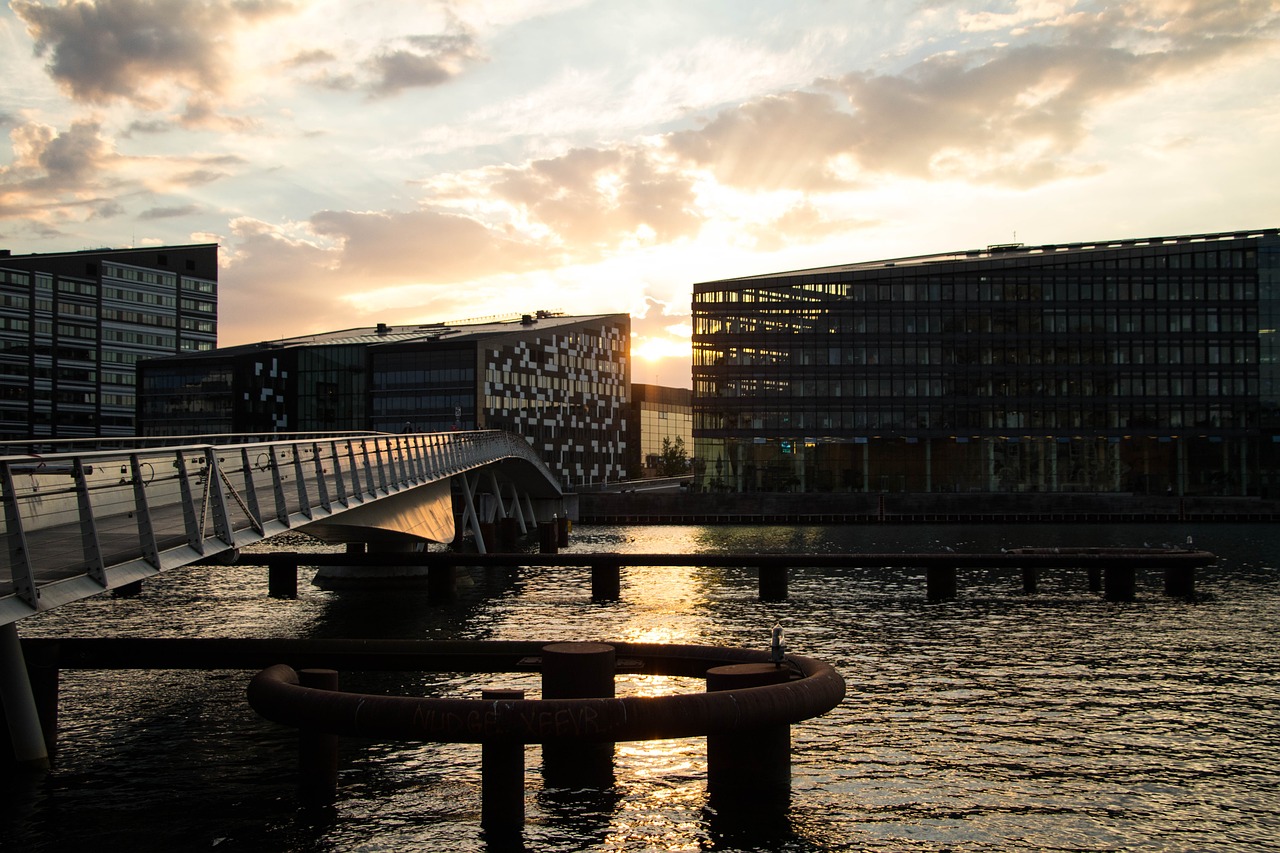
[19, 702]
[317, 750]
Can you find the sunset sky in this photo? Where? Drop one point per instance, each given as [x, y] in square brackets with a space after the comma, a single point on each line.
[405, 161]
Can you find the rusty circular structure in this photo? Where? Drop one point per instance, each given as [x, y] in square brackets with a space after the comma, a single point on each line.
[812, 689]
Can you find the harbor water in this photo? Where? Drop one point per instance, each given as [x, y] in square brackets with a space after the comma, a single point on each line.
[995, 721]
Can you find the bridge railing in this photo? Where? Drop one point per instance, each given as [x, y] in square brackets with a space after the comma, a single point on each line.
[75, 524]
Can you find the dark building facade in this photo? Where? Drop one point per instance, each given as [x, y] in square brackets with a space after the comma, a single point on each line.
[561, 382]
[1146, 366]
[74, 325]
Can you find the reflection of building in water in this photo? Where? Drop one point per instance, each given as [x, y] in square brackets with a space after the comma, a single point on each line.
[658, 413]
[561, 382]
[1124, 366]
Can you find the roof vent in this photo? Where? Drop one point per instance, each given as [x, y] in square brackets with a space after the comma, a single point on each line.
[383, 328]
[526, 319]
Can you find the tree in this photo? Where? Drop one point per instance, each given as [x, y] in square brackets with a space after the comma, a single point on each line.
[674, 459]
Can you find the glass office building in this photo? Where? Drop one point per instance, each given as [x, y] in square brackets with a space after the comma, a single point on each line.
[1144, 366]
[561, 382]
[74, 325]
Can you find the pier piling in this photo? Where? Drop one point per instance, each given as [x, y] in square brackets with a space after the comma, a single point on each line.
[749, 771]
[1119, 583]
[317, 750]
[940, 582]
[773, 583]
[606, 582]
[1180, 582]
[578, 671]
[1030, 579]
[282, 575]
[502, 778]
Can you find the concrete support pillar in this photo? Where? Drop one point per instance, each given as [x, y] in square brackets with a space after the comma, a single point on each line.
[317, 751]
[748, 771]
[502, 779]
[18, 699]
[578, 671]
[940, 582]
[282, 575]
[1119, 583]
[606, 582]
[1180, 582]
[773, 583]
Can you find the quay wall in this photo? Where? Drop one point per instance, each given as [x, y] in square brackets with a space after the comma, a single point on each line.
[856, 508]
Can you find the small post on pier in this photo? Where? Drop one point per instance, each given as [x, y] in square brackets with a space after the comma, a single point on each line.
[606, 582]
[317, 751]
[578, 671]
[1030, 579]
[1119, 583]
[749, 771]
[282, 575]
[1180, 582]
[548, 537]
[562, 531]
[502, 778]
[940, 582]
[773, 583]
[508, 534]
[442, 582]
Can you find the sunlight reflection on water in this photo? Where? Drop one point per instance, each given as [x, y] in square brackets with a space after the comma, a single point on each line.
[996, 721]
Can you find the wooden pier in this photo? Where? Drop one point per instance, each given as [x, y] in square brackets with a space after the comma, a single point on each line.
[1112, 571]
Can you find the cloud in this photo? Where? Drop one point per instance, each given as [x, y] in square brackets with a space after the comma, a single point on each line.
[423, 246]
[128, 50]
[598, 197]
[429, 60]
[46, 161]
[1014, 113]
[779, 142]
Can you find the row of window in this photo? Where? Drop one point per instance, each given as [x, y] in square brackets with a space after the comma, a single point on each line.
[902, 418]
[711, 362]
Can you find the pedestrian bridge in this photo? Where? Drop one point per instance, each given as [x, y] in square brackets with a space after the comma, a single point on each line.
[83, 521]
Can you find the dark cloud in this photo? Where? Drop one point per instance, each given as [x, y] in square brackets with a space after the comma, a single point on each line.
[596, 197]
[169, 212]
[154, 126]
[424, 246]
[428, 60]
[123, 49]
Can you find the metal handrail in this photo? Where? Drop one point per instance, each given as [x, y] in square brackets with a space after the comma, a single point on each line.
[75, 524]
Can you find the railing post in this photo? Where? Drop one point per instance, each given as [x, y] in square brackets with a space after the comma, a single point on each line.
[277, 484]
[250, 491]
[217, 498]
[195, 536]
[304, 499]
[88, 526]
[321, 485]
[24, 583]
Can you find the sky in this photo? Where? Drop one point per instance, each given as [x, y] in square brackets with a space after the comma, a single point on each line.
[410, 161]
